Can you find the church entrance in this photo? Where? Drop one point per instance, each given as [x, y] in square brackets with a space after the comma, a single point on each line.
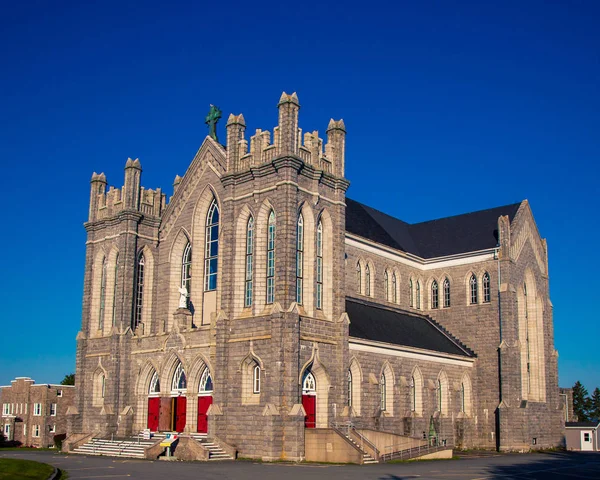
[153, 403]
[178, 404]
[178, 411]
[153, 413]
[309, 400]
[205, 400]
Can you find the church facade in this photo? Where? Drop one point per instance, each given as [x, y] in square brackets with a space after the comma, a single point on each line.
[261, 301]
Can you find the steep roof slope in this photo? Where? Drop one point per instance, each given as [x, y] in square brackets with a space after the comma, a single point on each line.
[370, 321]
[435, 238]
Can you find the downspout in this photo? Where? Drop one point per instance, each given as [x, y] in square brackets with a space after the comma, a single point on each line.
[497, 255]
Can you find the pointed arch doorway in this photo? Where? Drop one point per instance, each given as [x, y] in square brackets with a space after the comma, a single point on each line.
[205, 399]
[178, 400]
[309, 399]
[153, 403]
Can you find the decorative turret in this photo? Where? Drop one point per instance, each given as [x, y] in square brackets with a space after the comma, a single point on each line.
[97, 191]
[287, 138]
[335, 149]
[236, 126]
[133, 174]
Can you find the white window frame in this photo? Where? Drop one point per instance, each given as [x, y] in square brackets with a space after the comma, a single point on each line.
[5, 409]
[37, 409]
[256, 379]
[248, 286]
[271, 232]
[52, 428]
[53, 409]
[59, 392]
[211, 247]
[36, 431]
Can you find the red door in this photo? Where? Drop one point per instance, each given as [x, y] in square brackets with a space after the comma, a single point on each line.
[309, 402]
[153, 413]
[180, 406]
[203, 403]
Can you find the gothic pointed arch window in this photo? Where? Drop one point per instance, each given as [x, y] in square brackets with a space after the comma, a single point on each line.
[179, 383]
[248, 286]
[211, 252]
[320, 265]
[186, 268]
[299, 259]
[413, 394]
[386, 286]
[382, 392]
[367, 281]
[434, 295]
[394, 288]
[139, 291]
[349, 387]
[418, 295]
[256, 379]
[446, 293]
[359, 277]
[486, 288]
[154, 388]
[411, 300]
[473, 289]
[271, 258]
[102, 295]
[114, 295]
[206, 384]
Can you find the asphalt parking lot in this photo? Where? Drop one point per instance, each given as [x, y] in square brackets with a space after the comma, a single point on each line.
[546, 466]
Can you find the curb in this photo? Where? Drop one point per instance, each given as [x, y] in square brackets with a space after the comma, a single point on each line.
[54, 474]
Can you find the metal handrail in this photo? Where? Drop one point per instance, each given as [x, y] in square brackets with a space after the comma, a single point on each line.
[347, 427]
[409, 452]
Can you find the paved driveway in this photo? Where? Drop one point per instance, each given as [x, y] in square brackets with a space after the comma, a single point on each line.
[557, 466]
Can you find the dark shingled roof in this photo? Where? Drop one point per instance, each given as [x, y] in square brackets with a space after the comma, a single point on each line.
[436, 238]
[588, 424]
[370, 321]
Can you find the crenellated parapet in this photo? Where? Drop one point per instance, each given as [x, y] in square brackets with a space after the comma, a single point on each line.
[132, 196]
[287, 139]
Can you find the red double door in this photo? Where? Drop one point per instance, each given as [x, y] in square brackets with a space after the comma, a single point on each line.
[203, 403]
[309, 402]
[153, 413]
[179, 408]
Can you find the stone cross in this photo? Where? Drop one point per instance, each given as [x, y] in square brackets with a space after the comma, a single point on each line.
[214, 114]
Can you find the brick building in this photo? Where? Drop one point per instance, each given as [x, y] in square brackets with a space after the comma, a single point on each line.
[34, 413]
[260, 301]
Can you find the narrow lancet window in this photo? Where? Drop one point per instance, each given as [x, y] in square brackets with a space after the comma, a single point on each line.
[386, 286]
[114, 299]
[394, 288]
[320, 266]
[473, 289]
[446, 293]
[418, 295]
[367, 281]
[299, 259]
[434, 295]
[186, 268]
[102, 295]
[249, 262]
[411, 300]
[211, 253]
[139, 299]
[486, 288]
[271, 258]
[359, 278]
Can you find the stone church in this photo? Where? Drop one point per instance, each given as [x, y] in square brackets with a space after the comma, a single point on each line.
[261, 302]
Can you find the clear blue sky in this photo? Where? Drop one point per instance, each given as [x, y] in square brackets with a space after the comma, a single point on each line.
[450, 107]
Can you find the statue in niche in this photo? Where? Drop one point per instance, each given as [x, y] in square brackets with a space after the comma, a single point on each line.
[183, 297]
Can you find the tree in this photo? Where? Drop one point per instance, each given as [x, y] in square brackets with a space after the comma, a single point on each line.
[70, 379]
[581, 402]
[595, 405]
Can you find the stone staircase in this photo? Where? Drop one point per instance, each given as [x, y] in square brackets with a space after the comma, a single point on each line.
[131, 448]
[367, 458]
[134, 446]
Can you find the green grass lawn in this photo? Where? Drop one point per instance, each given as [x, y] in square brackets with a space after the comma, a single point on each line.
[14, 469]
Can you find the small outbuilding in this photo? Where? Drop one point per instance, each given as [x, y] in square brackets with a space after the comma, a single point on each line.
[582, 436]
